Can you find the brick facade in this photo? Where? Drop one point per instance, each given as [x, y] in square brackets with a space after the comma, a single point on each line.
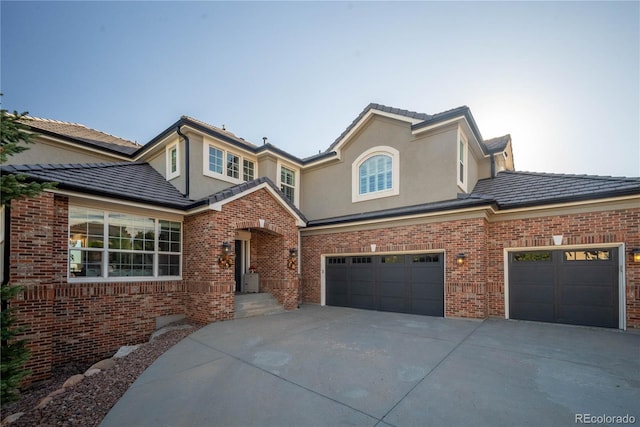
[476, 289]
[85, 322]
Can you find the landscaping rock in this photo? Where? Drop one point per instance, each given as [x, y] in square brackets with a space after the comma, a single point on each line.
[92, 371]
[103, 364]
[56, 392]
[11, 418]
[125, 350]
[44, 402]
[159, 332]
[73, 380]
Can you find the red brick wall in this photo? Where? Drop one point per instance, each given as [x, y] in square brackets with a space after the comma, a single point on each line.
[610, 227]
[476, 289]
[80, 322]
[464, 292]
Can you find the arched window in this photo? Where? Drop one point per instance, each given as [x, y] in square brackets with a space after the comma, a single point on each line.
[375, 174]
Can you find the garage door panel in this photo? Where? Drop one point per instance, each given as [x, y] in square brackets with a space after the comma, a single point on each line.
[362, 301]
[388, 283]
[434, 291]
[565, 286]
[533, 311]
[589, 316]
[532, 293]
[397, 305]
[579, 294]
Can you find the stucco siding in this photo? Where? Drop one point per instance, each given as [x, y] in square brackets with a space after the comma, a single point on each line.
[45, 152]
[427, 171]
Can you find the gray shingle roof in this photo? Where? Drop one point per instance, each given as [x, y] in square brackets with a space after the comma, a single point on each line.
[522, 189]
[135, 181]
[466, 201]
[82, 134]
[495, 145]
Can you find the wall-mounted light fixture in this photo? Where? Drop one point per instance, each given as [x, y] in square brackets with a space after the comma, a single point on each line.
[460, 258]
[224, 259]
[292, 261]
[635, 254]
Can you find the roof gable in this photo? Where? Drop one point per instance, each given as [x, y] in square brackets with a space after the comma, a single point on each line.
[218, 200]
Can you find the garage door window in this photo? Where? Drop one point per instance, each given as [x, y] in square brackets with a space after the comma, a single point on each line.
[337, 261]
[393, 259]
[425, 258]
[597, 255]
[531, 256]
[361, 260]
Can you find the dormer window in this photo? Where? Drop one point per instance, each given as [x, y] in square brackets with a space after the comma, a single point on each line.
[375, 174]
[173, 161]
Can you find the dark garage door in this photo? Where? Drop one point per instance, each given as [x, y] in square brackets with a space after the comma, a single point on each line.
[578, 287]
[400, 283]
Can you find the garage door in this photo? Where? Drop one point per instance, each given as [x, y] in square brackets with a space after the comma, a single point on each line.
[400, 283]
[577, 287]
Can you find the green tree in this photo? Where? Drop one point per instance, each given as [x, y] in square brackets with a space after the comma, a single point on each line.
[14, 353]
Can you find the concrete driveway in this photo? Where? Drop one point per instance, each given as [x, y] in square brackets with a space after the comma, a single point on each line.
[329, 366]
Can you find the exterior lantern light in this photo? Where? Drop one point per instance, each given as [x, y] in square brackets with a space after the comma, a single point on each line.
[224, 259]
[635, 254]
[460, 258]
[292, 261]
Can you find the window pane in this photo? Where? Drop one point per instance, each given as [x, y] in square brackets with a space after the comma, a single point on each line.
[130, 264]
[169, 238]
[233, 165]
[215, 160]
[593, 255]
[174, 159]
[131, 232]
[287, 183]
[86, 227]
[168, 265]
[247, 170]
[376, 174]
[85, 263]
[531, 256]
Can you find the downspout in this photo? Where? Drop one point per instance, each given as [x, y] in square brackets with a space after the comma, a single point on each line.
[186, 160]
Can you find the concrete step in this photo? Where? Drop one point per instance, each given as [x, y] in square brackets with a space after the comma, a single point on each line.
[249, 305]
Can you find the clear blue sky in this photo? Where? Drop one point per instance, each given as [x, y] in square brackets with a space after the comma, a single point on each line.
[562, 78]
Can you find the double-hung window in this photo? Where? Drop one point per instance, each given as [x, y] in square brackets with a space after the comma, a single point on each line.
[462, 162]
[106, 244]
[288, 183]
[173, 161]
[227, 165]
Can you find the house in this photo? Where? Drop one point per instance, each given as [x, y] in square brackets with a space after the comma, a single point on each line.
[404, 212]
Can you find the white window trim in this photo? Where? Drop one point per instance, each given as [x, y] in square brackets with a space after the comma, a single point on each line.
[355, 174]
[465, 161]
[296, 188]
[223, 176]
[105, 251]
[171, 147]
